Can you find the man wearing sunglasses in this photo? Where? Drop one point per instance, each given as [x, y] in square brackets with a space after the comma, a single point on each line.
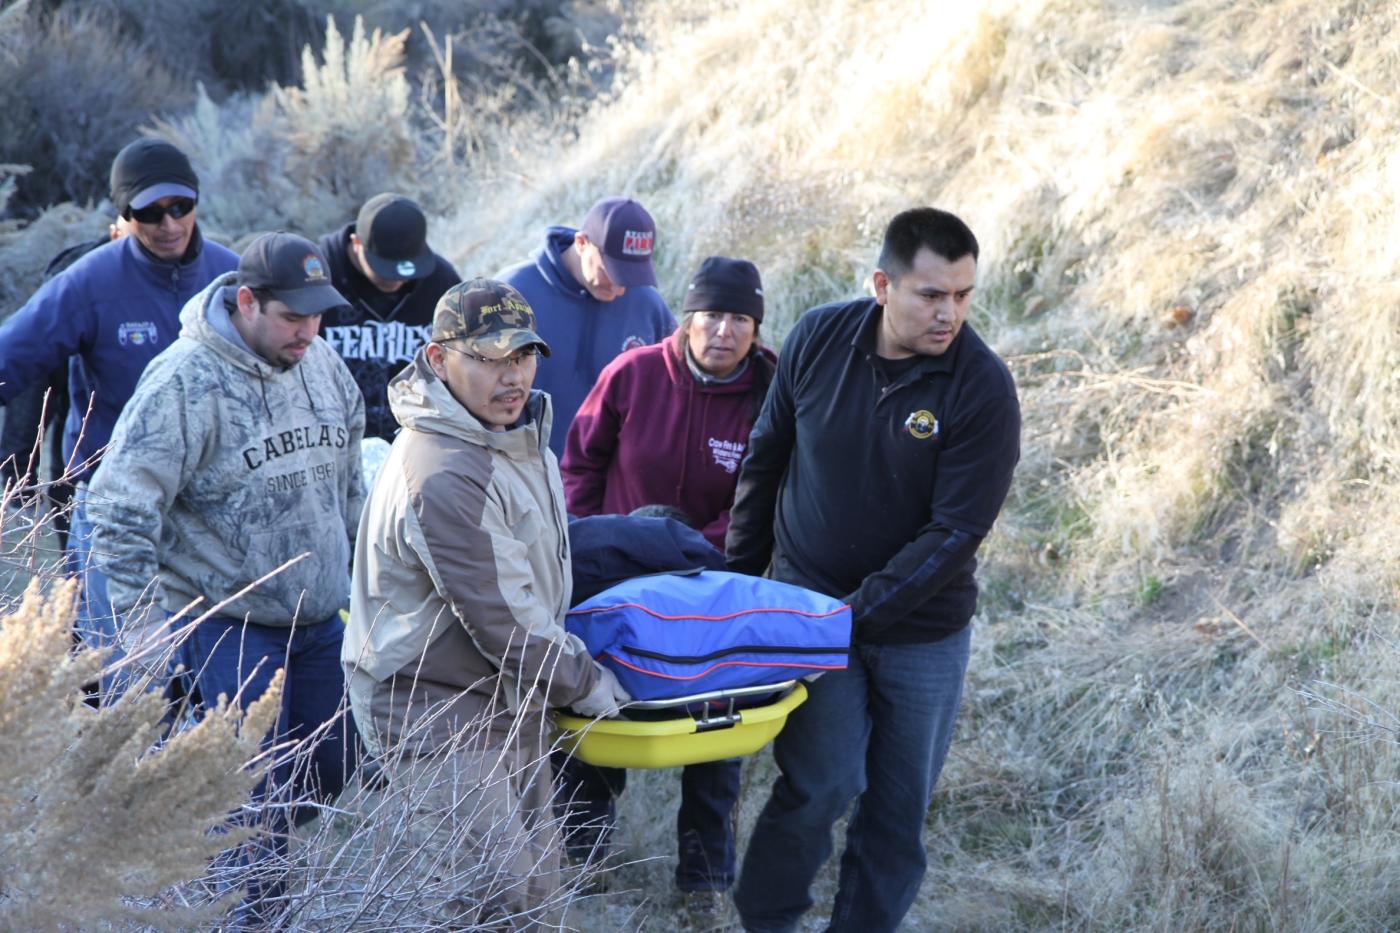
[456, 647]
[107, 316]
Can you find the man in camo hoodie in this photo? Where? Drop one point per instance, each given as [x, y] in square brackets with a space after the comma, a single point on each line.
[234, 479]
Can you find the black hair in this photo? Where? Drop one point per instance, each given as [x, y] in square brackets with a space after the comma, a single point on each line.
[262, 296]
[663, 511]
[924, 228]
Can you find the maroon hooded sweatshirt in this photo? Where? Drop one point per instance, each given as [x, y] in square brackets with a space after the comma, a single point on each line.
[651, 434]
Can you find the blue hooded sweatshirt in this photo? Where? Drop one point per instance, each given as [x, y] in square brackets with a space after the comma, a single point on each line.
[108, 315]
[583, 333]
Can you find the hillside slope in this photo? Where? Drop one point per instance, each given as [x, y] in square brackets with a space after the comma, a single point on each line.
[1191, 259]
[1180, 704]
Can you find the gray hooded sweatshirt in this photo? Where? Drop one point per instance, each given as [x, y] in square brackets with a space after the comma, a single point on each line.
[224, 467]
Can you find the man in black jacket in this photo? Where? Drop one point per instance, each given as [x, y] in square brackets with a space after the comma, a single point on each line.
[880, 461]
[381, 263]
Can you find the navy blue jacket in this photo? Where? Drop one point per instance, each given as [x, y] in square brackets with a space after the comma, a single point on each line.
[107, 315]
[872, 491]
[608, 549]
[583, 333]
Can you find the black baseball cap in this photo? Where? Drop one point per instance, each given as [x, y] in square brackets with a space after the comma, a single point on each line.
[150, 169]
[293, 269]
[394, 233]
[625, 233]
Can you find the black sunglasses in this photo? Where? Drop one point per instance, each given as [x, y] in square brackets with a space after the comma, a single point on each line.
[154, 214]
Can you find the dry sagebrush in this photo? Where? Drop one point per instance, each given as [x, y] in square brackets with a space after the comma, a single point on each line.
[97, 817]
[305, 158]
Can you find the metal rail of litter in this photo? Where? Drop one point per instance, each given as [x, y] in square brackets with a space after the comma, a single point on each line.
[736, 692]
[725, 717]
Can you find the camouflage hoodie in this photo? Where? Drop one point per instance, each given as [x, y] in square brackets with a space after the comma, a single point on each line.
[462, 573]
[222, 468]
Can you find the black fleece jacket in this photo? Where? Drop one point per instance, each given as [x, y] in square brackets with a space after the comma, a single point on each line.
[876, 483]
[379, 332]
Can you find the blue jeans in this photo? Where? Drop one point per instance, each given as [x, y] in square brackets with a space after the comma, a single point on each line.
[704, 834]
[96, 625]
[877, 732]
[238, 659]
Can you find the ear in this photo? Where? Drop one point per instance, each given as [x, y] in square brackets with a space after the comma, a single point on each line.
[355, 241]
[247, 304]
[580, 239]
[882, 287]
[434, 355]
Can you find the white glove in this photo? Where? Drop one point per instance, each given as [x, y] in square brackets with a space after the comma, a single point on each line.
[605, 699]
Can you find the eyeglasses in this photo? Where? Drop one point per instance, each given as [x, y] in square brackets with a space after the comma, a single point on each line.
[154, 214]
[519, 358]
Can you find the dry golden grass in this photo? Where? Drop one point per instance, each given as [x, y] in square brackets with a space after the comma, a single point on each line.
[1188, 213]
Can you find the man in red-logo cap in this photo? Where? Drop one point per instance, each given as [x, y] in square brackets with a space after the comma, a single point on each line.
[594, 291]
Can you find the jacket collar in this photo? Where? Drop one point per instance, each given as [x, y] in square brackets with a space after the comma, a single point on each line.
[161, 269]
[421, 402]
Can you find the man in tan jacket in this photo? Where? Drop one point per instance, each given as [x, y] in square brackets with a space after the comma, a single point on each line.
[456, 649]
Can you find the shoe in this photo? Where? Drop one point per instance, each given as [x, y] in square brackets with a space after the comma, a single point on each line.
[707, 911]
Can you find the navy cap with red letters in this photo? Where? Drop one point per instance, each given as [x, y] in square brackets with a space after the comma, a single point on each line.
[625, 233]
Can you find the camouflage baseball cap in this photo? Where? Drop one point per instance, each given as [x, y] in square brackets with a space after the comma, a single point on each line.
[494, 319]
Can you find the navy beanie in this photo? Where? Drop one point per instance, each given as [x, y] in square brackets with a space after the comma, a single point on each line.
[724, 284]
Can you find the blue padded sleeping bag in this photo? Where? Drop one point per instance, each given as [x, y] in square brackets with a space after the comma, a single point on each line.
[674, 635]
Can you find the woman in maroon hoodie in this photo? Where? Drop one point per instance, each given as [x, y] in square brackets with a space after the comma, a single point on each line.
[668, 425]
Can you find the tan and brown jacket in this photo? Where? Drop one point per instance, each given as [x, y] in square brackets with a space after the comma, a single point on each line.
[462, 575]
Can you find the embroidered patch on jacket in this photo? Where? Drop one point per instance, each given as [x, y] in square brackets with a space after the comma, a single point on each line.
[632, 342]
[727, 453]
[922, 424]
[137, 333]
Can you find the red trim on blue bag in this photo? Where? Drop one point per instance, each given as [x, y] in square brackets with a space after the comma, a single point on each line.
[733, 615]
[651, 673]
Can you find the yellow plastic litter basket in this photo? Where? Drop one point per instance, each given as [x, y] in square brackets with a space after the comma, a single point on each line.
[686, 739]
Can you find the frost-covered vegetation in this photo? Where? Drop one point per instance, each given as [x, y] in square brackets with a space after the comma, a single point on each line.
[1179, 707]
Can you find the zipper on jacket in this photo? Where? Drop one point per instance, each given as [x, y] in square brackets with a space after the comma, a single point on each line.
[554, 506]
[726, 652]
